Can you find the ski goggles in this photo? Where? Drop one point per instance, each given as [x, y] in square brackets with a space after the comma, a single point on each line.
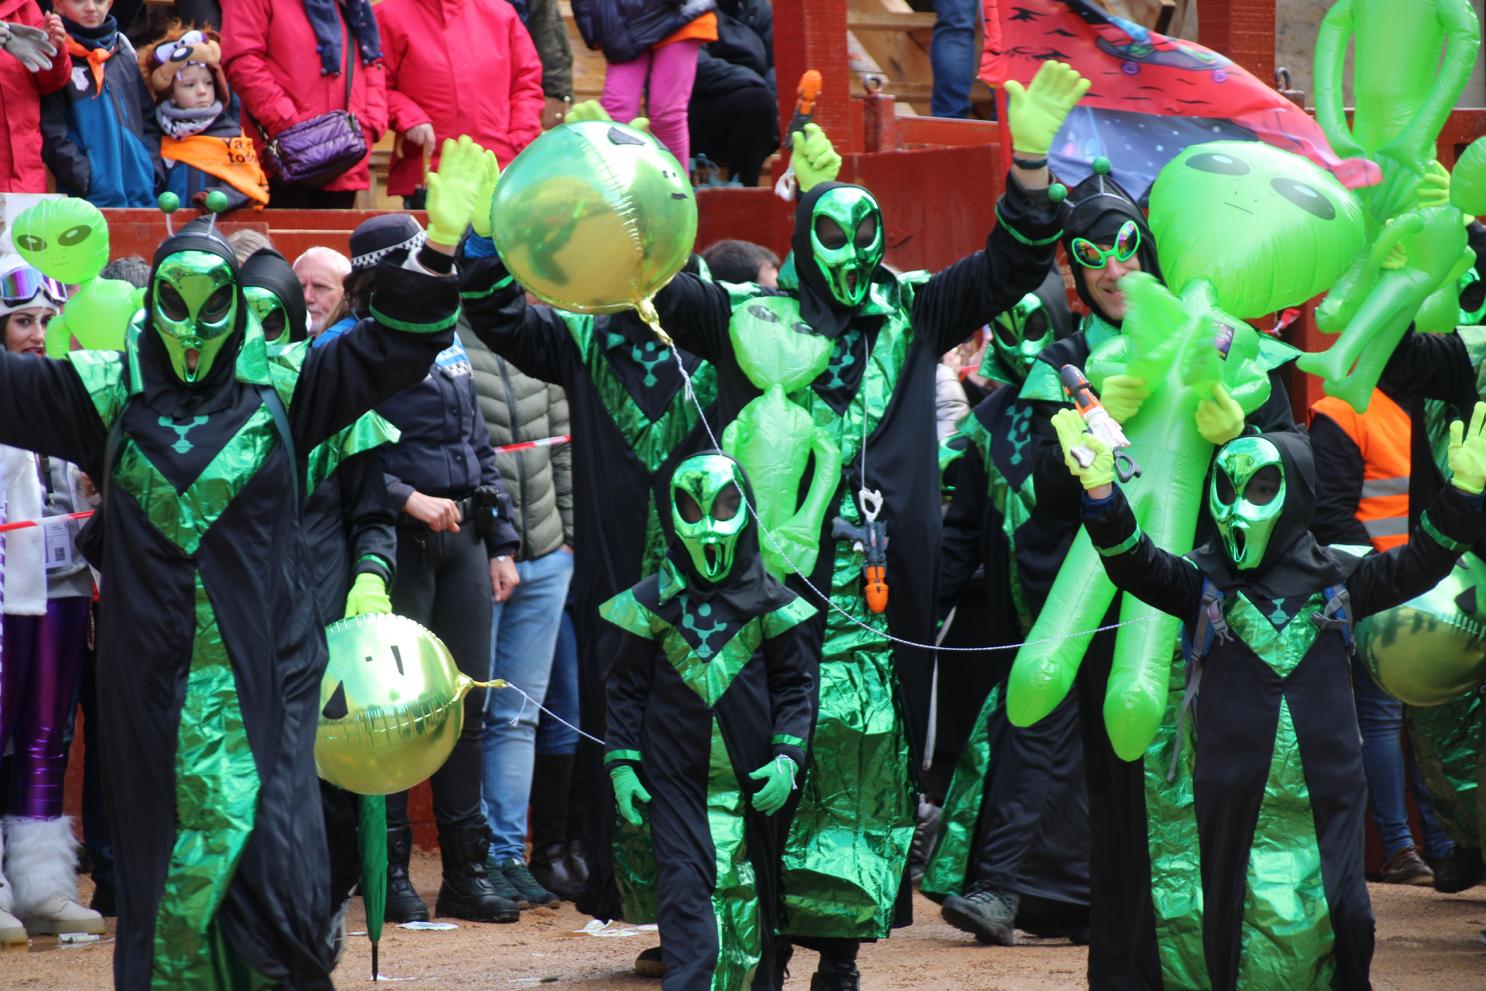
[1090, 255]
[22, 285]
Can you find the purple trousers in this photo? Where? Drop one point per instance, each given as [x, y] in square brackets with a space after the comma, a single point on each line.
[39, 668]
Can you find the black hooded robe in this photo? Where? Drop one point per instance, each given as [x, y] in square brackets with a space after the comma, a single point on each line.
[903, 329]
[632, 423]
[697, 703]
[1280, 814]
[201, 543]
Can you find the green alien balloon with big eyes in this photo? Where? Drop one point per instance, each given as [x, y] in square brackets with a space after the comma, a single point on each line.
[67, 239]
[1242, 229]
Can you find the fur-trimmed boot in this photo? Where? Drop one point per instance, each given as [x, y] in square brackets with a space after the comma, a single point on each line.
[41, 862]
[12, 933]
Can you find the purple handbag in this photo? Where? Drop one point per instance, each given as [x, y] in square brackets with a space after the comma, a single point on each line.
[315, 151]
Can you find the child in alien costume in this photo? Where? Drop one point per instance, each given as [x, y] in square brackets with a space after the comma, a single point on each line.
[713, 689]
[1015, 820]
[209, 713]
[1268, 616]
[848, 844]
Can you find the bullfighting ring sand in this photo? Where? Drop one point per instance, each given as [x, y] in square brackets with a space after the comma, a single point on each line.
[1426, 942]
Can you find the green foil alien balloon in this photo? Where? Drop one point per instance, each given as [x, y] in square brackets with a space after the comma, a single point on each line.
[774, 438]
[1242, 229]
[67, 239]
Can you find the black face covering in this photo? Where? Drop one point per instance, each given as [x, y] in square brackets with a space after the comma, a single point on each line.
[163, 391]
[1096, 210]
[267, 269]
[1294, 563]
[819, 307]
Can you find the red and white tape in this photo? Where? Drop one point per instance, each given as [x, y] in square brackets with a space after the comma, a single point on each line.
[23, 524]
[527, 445]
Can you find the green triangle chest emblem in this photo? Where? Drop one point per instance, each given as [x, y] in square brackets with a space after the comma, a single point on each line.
[710, 677]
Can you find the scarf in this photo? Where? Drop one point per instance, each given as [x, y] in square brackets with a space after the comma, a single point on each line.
[178, 122]
[93, 45]
[326, 17]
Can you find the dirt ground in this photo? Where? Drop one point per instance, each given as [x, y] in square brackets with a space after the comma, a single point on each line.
[1426, 942]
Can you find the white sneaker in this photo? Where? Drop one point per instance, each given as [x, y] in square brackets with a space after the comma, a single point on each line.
[12, 933]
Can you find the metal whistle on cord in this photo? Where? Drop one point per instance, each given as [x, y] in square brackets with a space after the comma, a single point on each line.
[870, 539]
[1099, 423]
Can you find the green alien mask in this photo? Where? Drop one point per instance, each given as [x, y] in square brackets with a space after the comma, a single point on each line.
[194, 307]
[1019, 334]
[1246, 497]
[272, 316]
[1472, 289]
[847, 241]
[708, 512]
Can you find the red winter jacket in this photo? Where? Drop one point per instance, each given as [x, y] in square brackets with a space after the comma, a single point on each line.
[464, 66]
[268, 51]
[21, 91]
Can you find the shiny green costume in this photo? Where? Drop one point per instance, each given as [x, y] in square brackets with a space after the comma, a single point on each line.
[209, 713]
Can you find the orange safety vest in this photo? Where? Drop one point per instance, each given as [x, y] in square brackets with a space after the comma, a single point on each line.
[1382, 435]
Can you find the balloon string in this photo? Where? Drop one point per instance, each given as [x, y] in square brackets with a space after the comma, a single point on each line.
[831, 604]
[525, 698]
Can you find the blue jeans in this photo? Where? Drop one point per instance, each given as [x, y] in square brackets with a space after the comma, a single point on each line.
[523, 634]
[953, 57]
[1380, 717]
[562, 694]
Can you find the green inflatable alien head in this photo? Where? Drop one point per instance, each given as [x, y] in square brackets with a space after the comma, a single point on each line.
[847, 241]
[65, 238]
[708, 513]
[1267, 228]
[195, 308]
[1245, 497]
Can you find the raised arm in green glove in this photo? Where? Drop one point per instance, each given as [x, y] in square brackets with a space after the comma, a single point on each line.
[1036, 112]
[815, 158]
[1078, 446]
[480, 221]
[452, 190]
[629, 794]
[1219, 419]
[1467, 458]
[778, 777]
[594, 110]
[368, 596]
[1123, 395]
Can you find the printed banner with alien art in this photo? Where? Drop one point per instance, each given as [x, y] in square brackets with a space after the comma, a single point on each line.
[1152, 95]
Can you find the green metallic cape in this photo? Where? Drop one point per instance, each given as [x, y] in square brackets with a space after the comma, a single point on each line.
[1287, 934]
[650, 441]
[216, 778]
[848, 843]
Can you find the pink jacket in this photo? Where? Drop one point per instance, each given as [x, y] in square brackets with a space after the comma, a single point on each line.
[21, 91]
[268, 51]
[464, 66]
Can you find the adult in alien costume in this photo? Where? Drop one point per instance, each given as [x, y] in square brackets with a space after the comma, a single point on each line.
[209, 712]
[848, 843]
[711, 702]
[1015, 819]
[1268, 613]
[1145, 907]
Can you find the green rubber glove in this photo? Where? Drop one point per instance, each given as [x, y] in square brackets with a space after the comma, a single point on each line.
[480, 221]
[368, 596]
[1073, 434]
[594, 110]
[815, 159]
[1122, 396]
[778, 777]
[1219, 419]
[629, 794]
[1467, 457]
[1036, 112]
[452, 190]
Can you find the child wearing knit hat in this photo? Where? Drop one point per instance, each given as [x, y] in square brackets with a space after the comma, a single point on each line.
[202, 141]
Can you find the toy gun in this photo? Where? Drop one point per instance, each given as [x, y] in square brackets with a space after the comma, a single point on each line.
[805, 96]
[870, 539]
[1099, 423]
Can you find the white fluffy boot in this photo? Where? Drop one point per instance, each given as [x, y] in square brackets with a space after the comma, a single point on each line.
[11, 931]
[41, 862]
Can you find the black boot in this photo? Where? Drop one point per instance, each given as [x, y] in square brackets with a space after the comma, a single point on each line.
[403, 903]
[466, 892]
[836, 975]
[987, 912]
[577, 861]
[549, 865]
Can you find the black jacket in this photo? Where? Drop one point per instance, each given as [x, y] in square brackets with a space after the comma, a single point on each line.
[743, 54]
[626, 29]
[445, 447]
